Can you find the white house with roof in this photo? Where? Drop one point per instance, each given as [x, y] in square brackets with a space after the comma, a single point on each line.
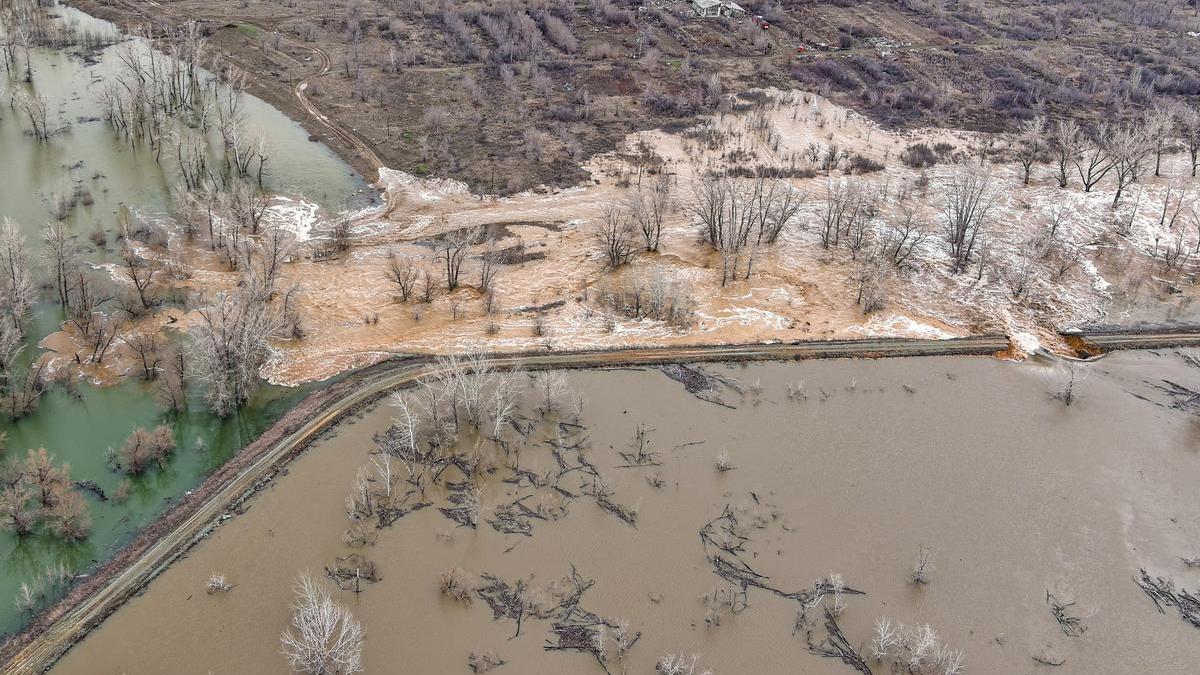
[715, 8]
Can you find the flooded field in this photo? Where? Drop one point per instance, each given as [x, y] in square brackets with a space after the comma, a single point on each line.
[734, 527]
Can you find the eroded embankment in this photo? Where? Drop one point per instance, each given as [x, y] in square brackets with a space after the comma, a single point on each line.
[49, 636]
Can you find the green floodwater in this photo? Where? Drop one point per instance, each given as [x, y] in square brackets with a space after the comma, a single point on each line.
[78, 427]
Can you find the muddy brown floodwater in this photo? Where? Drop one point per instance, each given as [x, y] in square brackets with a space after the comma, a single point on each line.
[1014, 493]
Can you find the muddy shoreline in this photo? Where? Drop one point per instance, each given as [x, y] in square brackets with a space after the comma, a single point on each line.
[326, 399]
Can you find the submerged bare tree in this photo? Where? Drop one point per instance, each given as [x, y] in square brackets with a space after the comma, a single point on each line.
[616, 236]
[325, 638]
[649, 209]
[969, 197]
[60, 257]
[33, 107]
[20, 386]
[1065, 378]
[231, 344]
[16, 282]
[403, 273]
[452, 249]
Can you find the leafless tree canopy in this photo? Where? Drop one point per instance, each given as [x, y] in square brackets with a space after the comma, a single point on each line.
[616, 236]
[325, 638]
[1029, 145]
[16, 282]
[403, 273]
[649, 208]
[969, 197]
[737, 218]
[231, 344]
[452, 249]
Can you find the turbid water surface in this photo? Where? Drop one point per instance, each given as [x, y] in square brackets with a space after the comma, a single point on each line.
[1014, 493]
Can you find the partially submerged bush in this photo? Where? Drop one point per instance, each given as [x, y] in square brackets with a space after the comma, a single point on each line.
[681, 664]
[918, 650]
[143, 450]
[456, 583]
[217, 583]
[651, 296]
[37, 492]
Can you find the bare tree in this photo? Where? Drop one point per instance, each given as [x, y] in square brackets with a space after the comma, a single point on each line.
[729, 214]
[1095, 159]
[60, 257]
[325, 638]
[1029, 144]
[489, 266]
[230, 345]
[969, 197]
[143, 274]
[872, 276]
[403, 273]
[649, 209]
[904, 238]
[843, 206]
[1128, 147]
[773, 207]
[616, 235]
[1189, 128]
[1020, 274]
[85, 301]
[16, 282]
[1067, 141]
[708, 204]
[1156, 126]
[147, 343]
[452, 248]
[1169, 215]
[1059, 214]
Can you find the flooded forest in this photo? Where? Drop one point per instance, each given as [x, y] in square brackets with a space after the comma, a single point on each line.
[85, 197]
